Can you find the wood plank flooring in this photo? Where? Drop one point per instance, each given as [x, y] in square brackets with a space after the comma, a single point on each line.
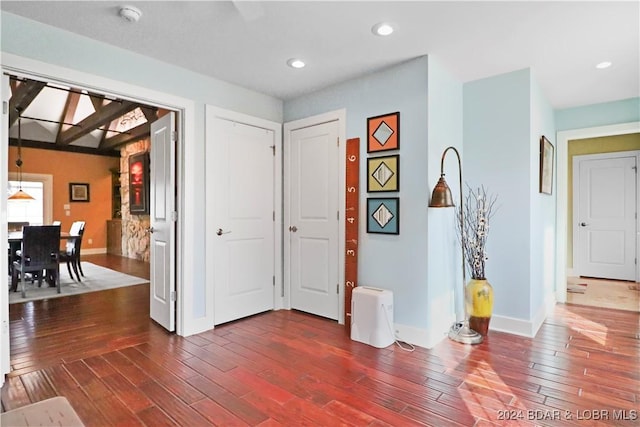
[116, 367]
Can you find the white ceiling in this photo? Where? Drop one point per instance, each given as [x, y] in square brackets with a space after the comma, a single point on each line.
[248, 43]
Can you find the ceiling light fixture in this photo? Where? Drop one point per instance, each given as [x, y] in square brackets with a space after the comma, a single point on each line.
[130, 13]
[382, 29]
[296, 63]
[603, 65]
[20, 194]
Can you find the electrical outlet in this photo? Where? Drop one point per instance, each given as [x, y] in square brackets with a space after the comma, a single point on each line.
[90, 241]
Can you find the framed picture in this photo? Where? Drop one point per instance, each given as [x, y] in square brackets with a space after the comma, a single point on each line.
[383, 215]
[78, 192]
[139, 183]
[546, 165]
[383, 173]
[383, 132]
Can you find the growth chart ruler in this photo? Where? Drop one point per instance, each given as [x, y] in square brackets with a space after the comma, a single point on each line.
[352, 177]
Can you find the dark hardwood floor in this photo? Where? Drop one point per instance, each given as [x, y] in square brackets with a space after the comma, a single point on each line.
[117, 367]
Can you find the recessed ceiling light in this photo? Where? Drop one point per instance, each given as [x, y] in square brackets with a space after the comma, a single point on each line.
[296, 63]
[603, 65]
[382, 29]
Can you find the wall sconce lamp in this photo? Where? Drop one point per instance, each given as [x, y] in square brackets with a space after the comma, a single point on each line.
[442, 198]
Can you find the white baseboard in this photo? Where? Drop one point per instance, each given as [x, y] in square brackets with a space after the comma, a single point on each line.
[525, 328]
[419, 337]
[94, 251]
[511, 325]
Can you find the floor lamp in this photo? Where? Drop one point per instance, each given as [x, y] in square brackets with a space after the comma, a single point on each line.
[442, 198]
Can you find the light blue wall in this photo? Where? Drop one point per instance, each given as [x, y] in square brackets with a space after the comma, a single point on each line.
[608, 113]
[445, 284]
[397, 263]
[497, 154]
[47, 44]
[543, 207]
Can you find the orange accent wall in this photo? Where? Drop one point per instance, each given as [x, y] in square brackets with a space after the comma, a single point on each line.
[73, 167]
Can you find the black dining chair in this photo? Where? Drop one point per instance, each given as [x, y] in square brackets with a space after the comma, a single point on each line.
[40, 252]
[71, 253]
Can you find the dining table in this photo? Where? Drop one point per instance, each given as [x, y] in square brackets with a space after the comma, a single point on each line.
[15, 243]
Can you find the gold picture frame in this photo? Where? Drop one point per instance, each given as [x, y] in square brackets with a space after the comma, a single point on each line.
[383, 173]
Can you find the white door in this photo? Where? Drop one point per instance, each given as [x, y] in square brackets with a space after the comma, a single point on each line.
[242, 231]
[313, 219]
[163, 218]
[606, 216]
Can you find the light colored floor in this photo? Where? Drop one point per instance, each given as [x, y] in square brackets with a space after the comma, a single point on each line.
[605, 293]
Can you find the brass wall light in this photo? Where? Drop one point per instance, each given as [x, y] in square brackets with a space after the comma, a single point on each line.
[442, 198]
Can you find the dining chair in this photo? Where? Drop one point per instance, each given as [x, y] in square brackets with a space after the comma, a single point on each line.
[16, 226]
[40, 252]
[71, 253]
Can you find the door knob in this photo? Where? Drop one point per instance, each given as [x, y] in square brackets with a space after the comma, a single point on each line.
[293, 228]
[220, 232]
[583, 224]
[150, 230]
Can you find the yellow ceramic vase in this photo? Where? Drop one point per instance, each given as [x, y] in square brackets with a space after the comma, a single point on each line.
[479, 302]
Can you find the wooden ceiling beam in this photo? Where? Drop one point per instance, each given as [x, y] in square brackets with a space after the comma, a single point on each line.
[106, 114]
[98, 101]
[131, 135]
[22, 97]
[70, 108]
[151, 114]
[27, 143]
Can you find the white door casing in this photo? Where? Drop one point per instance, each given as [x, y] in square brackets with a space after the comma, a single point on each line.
[242, 231]
[4, 272]
[312, 227]
[562, 223]
[163, 218]
[604, 220]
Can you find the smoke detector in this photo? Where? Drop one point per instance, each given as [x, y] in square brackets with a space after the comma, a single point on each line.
[130, 13]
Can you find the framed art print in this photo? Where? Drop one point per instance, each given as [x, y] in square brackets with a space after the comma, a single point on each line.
[546, 165]
[383, 215]
[383, 132]
[139, 183]
[78, 192]
[383, 173]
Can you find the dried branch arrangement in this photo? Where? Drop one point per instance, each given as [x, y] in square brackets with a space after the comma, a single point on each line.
[477, 210]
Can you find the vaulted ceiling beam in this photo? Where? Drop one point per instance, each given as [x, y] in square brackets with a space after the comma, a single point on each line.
[23, 95]
[151, 114]
[106, 114]
[26, 143]
[70, 108]
[134, 134]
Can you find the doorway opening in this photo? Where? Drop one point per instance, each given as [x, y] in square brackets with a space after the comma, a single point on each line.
[564, 217]
[99, 189]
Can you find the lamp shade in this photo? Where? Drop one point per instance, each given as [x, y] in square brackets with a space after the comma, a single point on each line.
[20, 195]
[441, 196]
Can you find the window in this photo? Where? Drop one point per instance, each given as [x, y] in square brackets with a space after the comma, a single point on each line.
[35, 212]
[31, 211]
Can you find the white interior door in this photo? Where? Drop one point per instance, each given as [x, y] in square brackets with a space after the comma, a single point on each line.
[313, 165]
[163, 218]
[242, 231]
[605, 216]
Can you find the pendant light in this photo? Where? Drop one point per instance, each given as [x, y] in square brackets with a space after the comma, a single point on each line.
[20, 194]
